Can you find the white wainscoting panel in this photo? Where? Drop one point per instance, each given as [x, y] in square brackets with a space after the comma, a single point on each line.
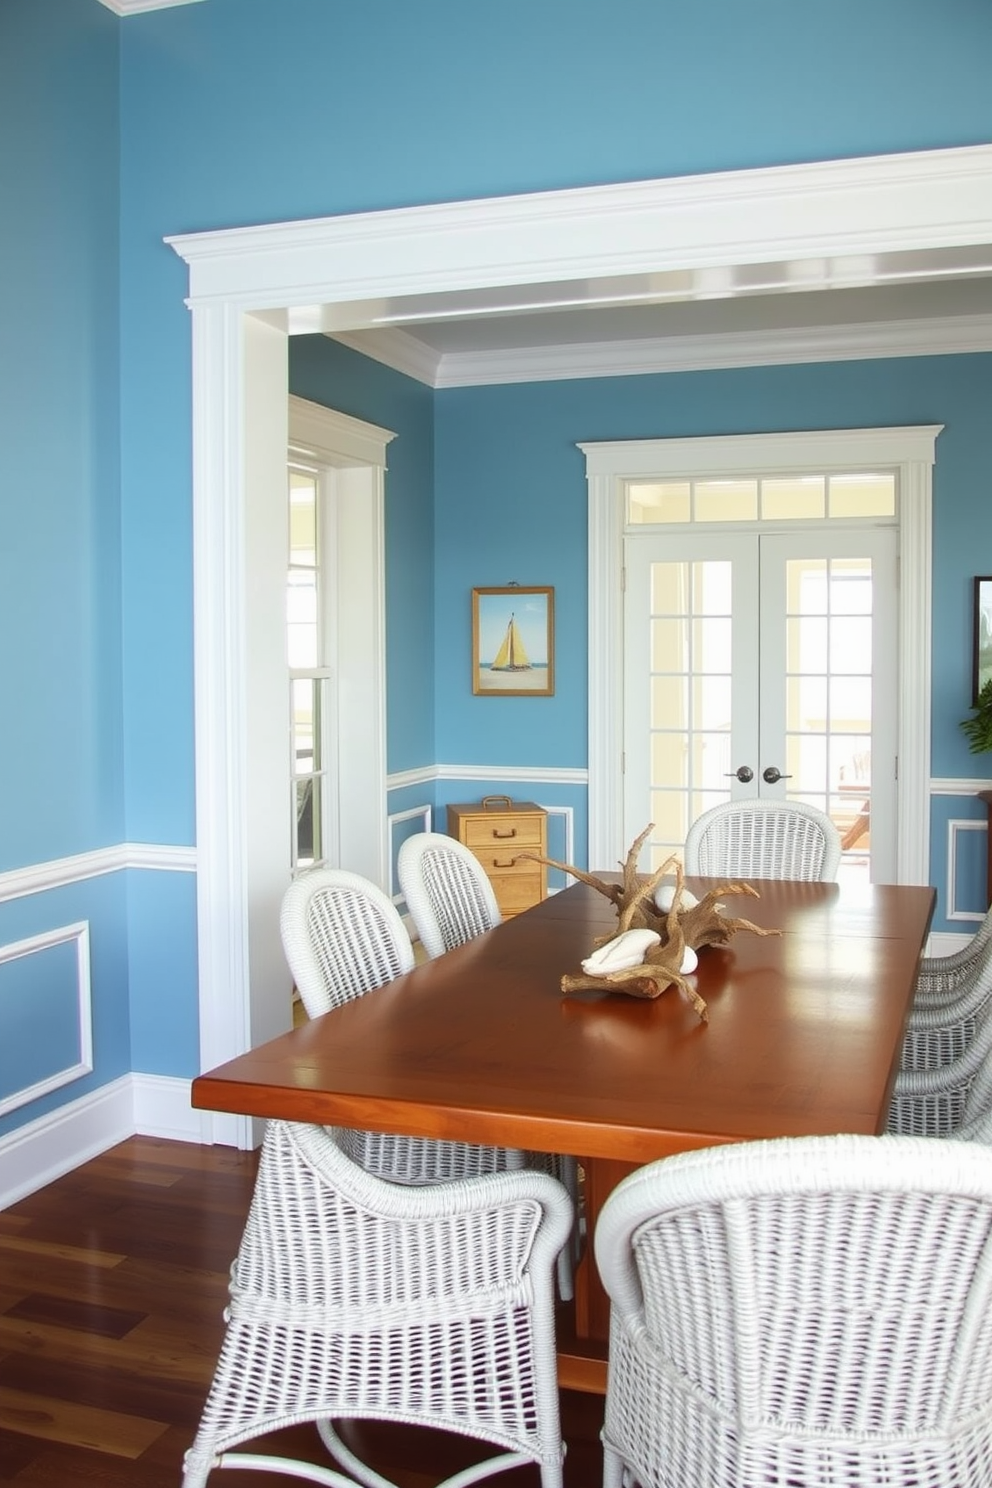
[954, 827]
[82, 1065]
[423, 814]
[567, 815]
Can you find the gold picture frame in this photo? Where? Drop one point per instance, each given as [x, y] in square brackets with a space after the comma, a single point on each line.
[513, 641]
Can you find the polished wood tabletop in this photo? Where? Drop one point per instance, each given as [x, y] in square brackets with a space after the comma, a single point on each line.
[803, 1035]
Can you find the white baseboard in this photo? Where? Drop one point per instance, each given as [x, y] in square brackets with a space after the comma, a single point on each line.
[162, 1109]
[941, 943]
[43, 1150]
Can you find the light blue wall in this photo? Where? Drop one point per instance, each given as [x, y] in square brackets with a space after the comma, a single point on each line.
[241, 111]
[61, 790]
[61, 781]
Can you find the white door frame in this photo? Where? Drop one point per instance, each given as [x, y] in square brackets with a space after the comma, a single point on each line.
[610, 464]
[870, 207]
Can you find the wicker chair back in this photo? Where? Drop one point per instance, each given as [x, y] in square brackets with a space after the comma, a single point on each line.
[804, 1311]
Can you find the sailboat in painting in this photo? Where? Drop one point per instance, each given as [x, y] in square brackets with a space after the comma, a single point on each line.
[511, 656]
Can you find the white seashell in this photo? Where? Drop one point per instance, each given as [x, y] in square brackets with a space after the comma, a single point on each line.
[689, 961]
[665, 893]
[621, 952]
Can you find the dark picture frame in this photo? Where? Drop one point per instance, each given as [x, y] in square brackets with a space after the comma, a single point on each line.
[513, 641]
[982, 656]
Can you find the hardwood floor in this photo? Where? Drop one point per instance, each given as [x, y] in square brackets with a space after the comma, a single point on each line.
[112, 1285]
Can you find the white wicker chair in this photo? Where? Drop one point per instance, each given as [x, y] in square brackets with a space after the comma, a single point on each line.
[763, 839]
[355, 1298]
[808, 1311]
[948, 1099]
[939, 1032]
[342, 938]
[446, 890]
[940, 977]
[452, 901]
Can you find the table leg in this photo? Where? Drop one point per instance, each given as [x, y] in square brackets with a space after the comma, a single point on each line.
[592, 1306]
[583, 1337]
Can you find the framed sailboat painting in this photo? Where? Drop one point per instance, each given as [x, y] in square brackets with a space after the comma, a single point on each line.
[513, 642]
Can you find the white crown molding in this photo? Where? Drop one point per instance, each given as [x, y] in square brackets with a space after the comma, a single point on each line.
[938, 336]
[879, 204]
[38, 878]
[135, 7]
[399, 350]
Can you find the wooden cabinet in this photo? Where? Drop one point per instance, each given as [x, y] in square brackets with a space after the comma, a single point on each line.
[497, 830]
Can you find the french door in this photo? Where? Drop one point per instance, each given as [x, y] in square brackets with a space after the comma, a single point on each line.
[763, 664]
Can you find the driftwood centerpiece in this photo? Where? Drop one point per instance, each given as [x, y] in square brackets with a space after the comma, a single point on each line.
[680, 926]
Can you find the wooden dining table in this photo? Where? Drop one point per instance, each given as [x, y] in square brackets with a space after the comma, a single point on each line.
[481, 1045]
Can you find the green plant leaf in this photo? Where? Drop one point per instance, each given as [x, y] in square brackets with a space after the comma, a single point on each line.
[978, 728]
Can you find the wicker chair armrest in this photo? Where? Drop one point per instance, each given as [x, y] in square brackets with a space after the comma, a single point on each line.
[489, 1192]
[971, 997]
[945, 1078]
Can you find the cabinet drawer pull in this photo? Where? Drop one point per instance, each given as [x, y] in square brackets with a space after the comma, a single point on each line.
[509, 863]
[511, 833]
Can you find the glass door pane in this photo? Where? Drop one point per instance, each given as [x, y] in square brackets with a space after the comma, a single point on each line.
[828, 696]
[690, 681]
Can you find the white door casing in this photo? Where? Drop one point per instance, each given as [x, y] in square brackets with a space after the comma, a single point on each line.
[609, 465]
[872, 206]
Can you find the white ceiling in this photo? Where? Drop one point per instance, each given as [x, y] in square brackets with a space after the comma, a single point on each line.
[912, 303]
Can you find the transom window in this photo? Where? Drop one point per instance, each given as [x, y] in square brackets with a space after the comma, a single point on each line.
[778, 498]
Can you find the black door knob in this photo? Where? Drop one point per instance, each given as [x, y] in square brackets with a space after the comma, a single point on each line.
[773, 775]
[744, 774]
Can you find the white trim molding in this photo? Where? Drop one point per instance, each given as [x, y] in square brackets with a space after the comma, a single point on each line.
[946, 335]
[79, 935]
[38, 878]
[136, 7]
[948, 786]
[568, 817]
[537, 774]
[610, 464]
[838, 210]
[842, 210]
[423, 814]
[954, 827]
